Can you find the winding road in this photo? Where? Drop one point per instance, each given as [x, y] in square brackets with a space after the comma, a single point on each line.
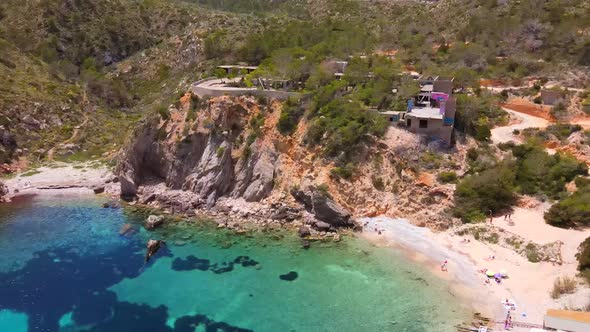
[504, 134]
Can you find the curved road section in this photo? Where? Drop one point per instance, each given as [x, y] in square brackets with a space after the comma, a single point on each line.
[215, 87]
[505, 134]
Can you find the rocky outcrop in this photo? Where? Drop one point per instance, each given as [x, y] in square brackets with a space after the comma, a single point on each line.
[211, 155]
[324, 209]
[153, 222]
[152, 248]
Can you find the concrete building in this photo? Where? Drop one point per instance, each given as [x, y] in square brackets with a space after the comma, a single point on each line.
[432, 111]
[565, 320]
[550, 97]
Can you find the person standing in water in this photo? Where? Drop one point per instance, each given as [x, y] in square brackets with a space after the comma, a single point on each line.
[443, 266]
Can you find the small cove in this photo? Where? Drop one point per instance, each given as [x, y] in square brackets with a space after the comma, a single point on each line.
[65, 267]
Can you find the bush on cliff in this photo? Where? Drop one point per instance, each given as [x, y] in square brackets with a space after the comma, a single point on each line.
[290, 116]
[573, 210]
[492, 189]
[583, 257]
[447, 177]
[342, 125]
[476, 116]
[537, 172]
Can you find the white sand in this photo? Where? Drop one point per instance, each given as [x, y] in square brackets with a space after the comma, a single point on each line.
[529, 283]
[77, 178]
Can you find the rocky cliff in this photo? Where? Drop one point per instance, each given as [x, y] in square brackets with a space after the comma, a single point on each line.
[210, 150]
[225, 154]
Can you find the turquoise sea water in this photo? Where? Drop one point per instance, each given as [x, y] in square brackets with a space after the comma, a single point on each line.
[64, 267]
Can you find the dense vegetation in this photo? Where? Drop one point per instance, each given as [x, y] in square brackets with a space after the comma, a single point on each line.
[583, 257]
[573, 210]
[67, 56]
[531, 171]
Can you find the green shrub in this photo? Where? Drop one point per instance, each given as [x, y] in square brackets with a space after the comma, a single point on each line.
[492, 189]
[563, 130]
[559, 110]
[573, 210]
[378, 183]
[477, 115]
[164, 113]
[246, 152]
[537, 172]
[220, 150]
[583, 257]
[532, 253]
[341, 126]
[447, 177]
[290, 115]
[344, 172]
[324, 190]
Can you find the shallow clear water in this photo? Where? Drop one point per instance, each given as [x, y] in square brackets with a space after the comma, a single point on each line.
[65, 267]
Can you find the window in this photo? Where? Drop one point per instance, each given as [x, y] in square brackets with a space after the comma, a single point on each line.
[409, 122]
[423, 124]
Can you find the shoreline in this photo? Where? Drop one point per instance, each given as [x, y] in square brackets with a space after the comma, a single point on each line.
[421, 245]
[529, 283]
[61, 178]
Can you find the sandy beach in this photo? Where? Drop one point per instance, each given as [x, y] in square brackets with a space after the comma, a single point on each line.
[60, 178]
[529, 284]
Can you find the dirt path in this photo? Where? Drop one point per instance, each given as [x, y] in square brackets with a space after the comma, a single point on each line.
[75, 134]
[519, 121]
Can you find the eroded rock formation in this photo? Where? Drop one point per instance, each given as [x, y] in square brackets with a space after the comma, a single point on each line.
[214, 154]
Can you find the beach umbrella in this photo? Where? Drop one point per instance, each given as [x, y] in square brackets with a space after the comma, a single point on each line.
[510, 305]
[498, 275]
[504, 273]
[490, 273]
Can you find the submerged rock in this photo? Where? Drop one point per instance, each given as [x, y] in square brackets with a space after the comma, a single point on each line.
[289, 276]
[152, 248]
[98, 189]
[305, 244]
[153, 222]
[304, 231]
[126, 230]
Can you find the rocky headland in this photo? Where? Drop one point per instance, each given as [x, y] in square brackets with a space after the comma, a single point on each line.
[225, 157]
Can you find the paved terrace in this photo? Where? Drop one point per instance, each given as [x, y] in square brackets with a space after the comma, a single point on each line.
[216, 87]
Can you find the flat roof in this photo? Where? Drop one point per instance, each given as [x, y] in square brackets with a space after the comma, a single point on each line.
[237, 66]
[578, 316]
[391, 112]
[426, 113]
[427, 88]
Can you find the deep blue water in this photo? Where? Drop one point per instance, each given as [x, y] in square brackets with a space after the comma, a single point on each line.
[65, 267]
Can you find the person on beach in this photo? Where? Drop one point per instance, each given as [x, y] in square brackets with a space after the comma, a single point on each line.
[443, 266]
[491, 215]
